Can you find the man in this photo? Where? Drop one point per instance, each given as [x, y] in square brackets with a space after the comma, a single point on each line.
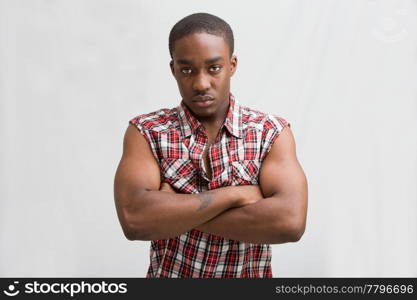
[209, 182]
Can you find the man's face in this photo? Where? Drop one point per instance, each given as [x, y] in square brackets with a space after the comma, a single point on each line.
[202, 66]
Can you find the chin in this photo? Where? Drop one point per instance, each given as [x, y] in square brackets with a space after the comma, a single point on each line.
[204, 112]
[201, 111]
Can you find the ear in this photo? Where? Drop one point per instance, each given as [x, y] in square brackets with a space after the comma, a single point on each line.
[233, 65]
[171, 65]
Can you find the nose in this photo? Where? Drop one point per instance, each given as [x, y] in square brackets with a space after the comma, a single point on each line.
[201, 83]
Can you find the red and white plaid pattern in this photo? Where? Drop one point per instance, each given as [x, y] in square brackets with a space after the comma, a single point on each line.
[177, 140]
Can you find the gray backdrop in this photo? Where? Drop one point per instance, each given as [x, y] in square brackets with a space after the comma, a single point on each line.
[72, 73]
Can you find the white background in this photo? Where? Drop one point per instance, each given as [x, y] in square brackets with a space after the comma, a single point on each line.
[343, 73]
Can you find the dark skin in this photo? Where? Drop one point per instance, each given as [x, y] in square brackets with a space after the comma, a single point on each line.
[148, 210]
[201, 70]
[204, 71]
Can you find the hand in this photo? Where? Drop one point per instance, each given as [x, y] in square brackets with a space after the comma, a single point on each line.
[166, 187]
[248, 194]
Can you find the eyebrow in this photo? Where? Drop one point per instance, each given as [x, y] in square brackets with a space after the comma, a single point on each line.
[207, 61]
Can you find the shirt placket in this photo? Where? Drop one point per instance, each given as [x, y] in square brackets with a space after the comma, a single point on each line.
[202, 167]
[204, 181]
[198, 142]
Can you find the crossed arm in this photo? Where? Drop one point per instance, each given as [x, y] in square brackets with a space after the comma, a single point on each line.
[273, 212]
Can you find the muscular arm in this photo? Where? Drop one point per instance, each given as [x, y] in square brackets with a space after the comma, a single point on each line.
[144, 212]
[281, 216]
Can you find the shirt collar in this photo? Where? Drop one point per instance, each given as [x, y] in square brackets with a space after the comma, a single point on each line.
[232, 122]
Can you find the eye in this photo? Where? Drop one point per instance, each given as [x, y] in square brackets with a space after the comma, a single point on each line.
[215, 69]
[186, 71]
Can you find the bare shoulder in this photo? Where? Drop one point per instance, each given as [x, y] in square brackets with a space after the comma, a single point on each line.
[135, 144]
[283, 148]
[138, 169]
[281, 172]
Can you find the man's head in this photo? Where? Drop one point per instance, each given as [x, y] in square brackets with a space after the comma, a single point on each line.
[201, 47]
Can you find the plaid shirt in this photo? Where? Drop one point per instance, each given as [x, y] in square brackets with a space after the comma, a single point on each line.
[177, 140]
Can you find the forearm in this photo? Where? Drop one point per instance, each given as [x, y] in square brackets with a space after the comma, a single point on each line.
[267, 221]
[157, 215]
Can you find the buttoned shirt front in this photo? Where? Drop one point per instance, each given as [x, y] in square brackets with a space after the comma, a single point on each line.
[178, 140]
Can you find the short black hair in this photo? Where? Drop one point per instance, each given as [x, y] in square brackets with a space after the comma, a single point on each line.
[198, 23]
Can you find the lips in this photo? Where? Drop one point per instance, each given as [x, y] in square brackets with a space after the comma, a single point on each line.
[202, 98]
[203, 101]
